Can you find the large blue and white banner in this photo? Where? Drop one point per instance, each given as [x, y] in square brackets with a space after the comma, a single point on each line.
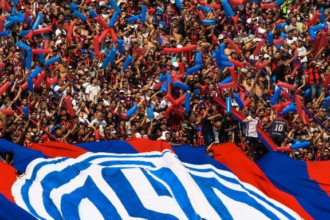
[139, 186]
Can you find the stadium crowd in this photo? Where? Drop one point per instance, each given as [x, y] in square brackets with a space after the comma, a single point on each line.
[102, 95]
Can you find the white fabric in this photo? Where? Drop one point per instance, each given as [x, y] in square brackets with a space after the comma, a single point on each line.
[92, 92]
[147, 174]
[252, 126]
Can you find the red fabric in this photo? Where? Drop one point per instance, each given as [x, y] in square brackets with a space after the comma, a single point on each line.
[8, 177]
[249, 172]
[143, 145]
[55, 149]
[319, 171]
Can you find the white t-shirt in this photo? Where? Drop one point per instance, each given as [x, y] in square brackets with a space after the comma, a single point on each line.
[252, 126]
[162, 104]
[75, 102]
[262, 30]
[106, 102]
[57, 87]
[92, 92]
[301, 51]
[314, 129]
[127, 43]
[58, 40]
[294, 39]
[147, 98]
[102, 124]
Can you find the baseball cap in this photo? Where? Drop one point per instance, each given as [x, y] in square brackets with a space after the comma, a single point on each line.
[185, 126]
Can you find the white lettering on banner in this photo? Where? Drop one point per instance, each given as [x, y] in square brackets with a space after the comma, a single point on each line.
[200, 205]
[111, 195]
[159, 185]
[57, 194]
[245, 211]
[88, 211]
[149, 197]
[236, 187]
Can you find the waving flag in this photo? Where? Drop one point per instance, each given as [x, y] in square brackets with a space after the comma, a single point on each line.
[141, 179]
[148, 186]
[308, 181]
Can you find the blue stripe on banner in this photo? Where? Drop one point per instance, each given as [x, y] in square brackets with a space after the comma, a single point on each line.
[196, 155]
[26, 187]
[214, 200]
[179, 192]
[235, 181]
[238, 196]
[162, 179]
[258, 206]
[269, 203]
[70, 202]
[132, 163]
[115, 146]
[159, 187]
[56, 179]
[102, 156]
[127, 195]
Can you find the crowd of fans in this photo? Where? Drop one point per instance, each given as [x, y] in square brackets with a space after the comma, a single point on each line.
[100, 96]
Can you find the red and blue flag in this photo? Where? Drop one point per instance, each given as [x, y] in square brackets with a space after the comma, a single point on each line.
[143, 179]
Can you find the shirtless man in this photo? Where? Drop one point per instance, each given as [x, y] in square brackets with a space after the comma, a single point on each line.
[248, 84]
[175, 31]
[152, 41]
[63, 68]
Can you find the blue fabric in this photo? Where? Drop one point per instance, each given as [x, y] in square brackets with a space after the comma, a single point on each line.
[291, 176]
[70, 202]
[231, 193]
[197, 156]
[288, 175]
[164, 181]
[74, 171]
[186, 153]
[22, 156]
[10, 211]
[25, 189]
[115, 146]
[133, 205]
